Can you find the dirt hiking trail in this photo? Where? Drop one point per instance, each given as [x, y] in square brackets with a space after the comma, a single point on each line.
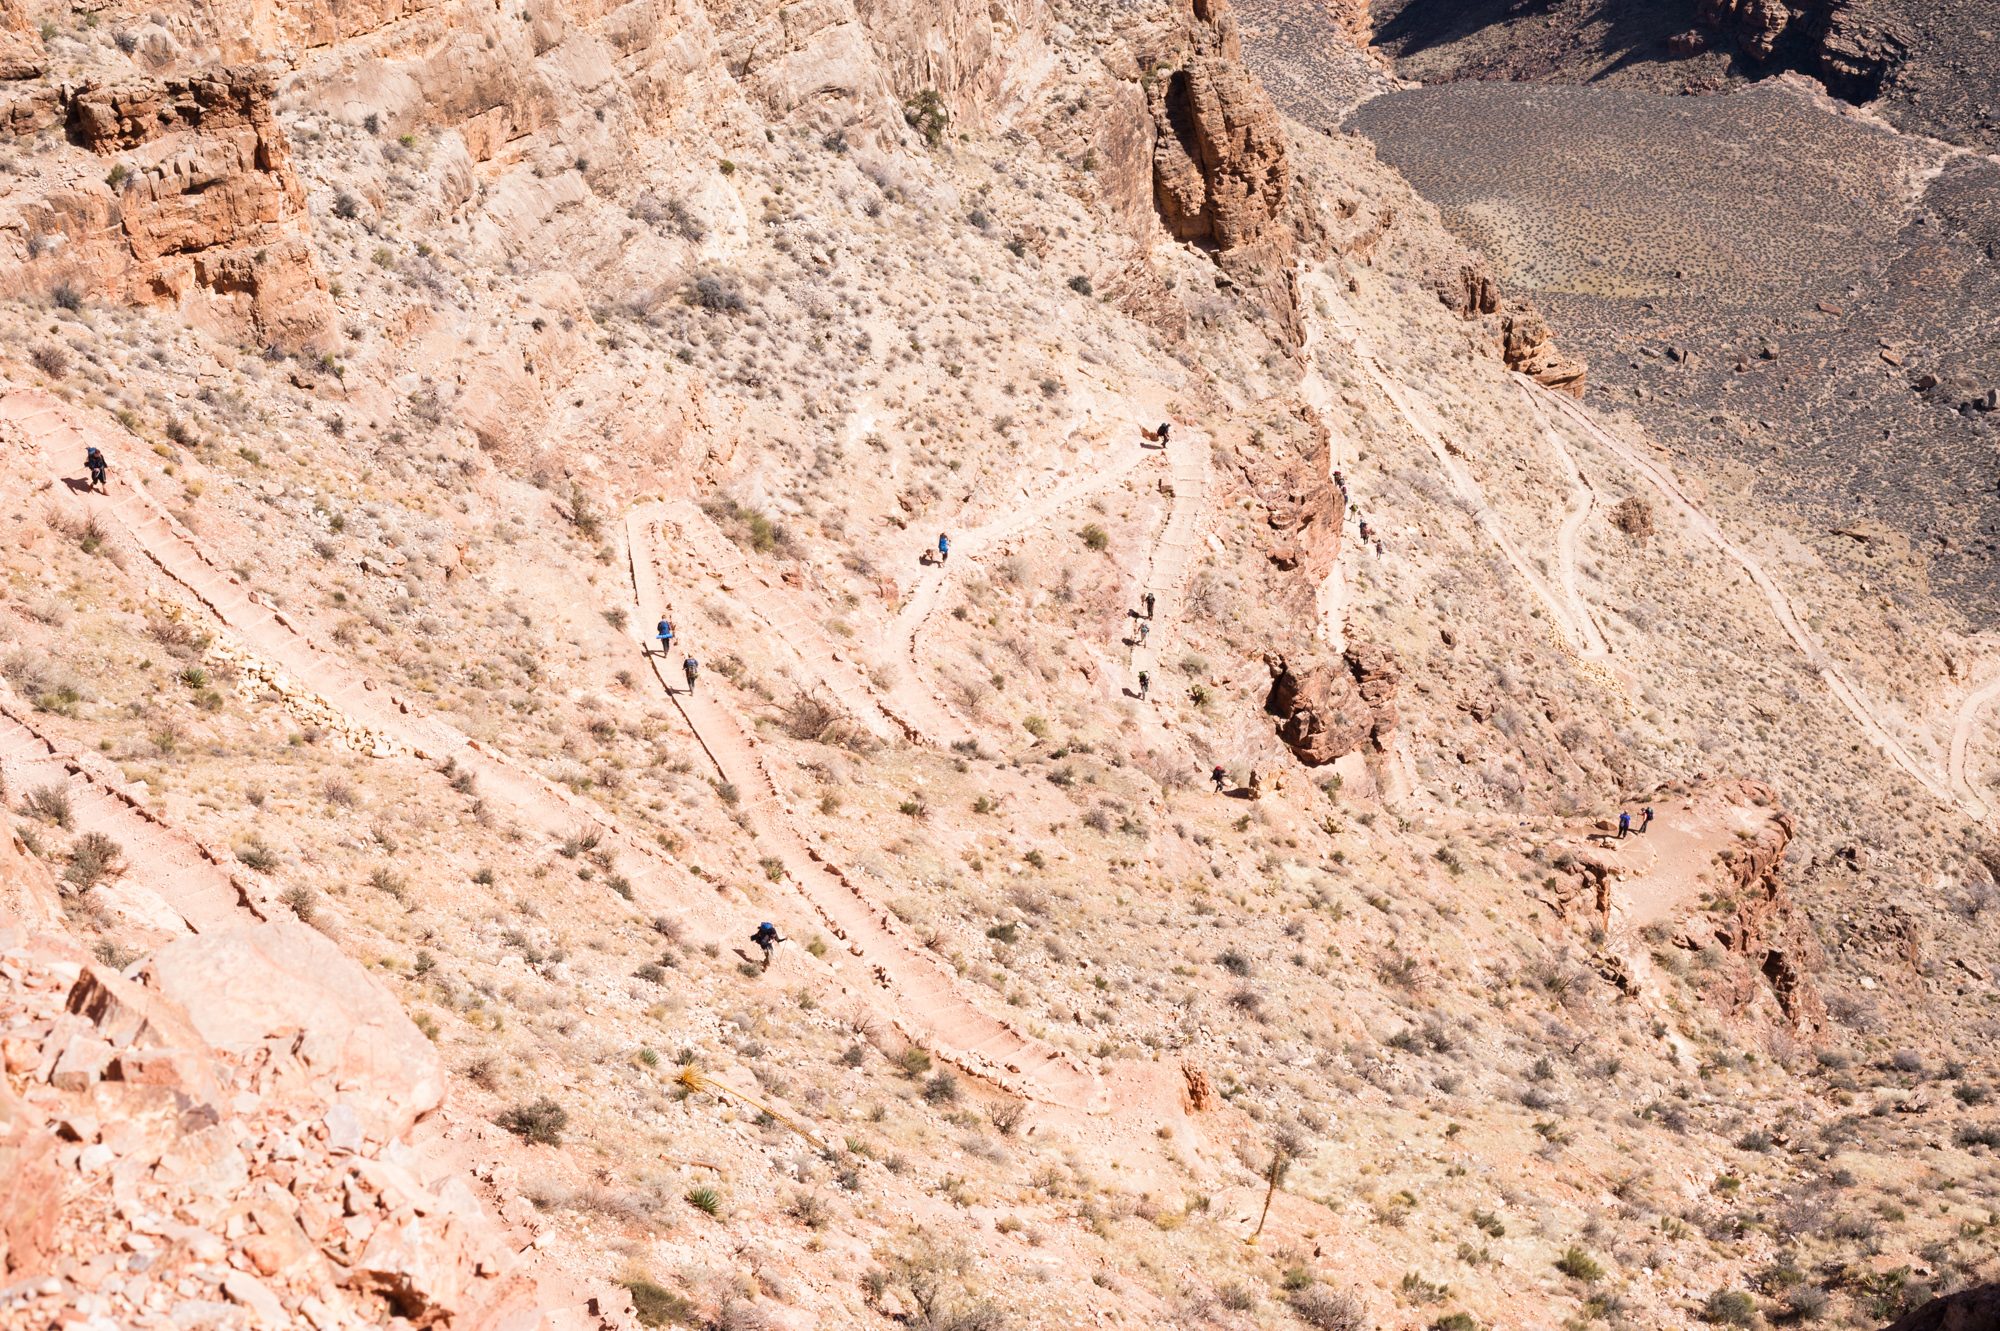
[965, 1035]
[1843, 689]
[171, 883]
[929, 1006]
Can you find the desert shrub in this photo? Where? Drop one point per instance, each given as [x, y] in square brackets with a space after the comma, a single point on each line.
[705, 1199]
[299, 900]
[1328, 1310]
[94, 858]
[1805, 1303]
[582, 513]
[914, 1061]
[926, 114]
[256, 855]
[1081, 285]
[1974, 1134]
[1633, 516]
[1458, 1321]
[941, 1089]
[541, 1122]
[717, 292]
[1094, 537]
[50, 360]
[657, 1305]
[1234, 962]
[50, 804]
[1729, 1307]
[67, 296]
[1579, 1265]
[808, 1210]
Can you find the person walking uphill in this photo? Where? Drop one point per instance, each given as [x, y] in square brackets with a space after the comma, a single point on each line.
[1219, 777]
[1149, 605]
[666, 636]
[1646, 819]
[767, 938]
[1624, 824]
[944, 548]
[1145, 682]
[691, 668]
[100, 470]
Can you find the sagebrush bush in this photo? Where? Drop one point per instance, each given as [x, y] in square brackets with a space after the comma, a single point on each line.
[541, 1122]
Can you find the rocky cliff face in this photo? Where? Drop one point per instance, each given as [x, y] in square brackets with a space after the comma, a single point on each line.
[1222, 178]
[175, 191]
[225, 1133]
[1331, 708]
[1849, 45]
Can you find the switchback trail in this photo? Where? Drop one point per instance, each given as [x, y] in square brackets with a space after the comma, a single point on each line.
[1173, 553]
[930, 1008]
[981, 1044]
[187, 878]
[1577, 637]
[47, 425]
[1844, 690]
[791, 627]
[1964, 726]
[1583, 499]
[911, 696]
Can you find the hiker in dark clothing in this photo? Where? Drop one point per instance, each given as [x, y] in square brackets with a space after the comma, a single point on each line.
[1624, 825]
[691, 668]
[1219, 777]
[1149, 605]
[1646, 818]
[1145, 682]
[100, 470]
[767, 938]
[666, 635]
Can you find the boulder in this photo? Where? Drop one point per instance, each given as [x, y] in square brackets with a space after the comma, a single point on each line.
[1528, 346]
[1329, 709]
[241, 987]
[1975, 1309]
[31, 1188]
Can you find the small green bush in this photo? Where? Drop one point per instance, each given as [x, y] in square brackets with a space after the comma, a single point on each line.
[541, 1122]
[1729, 1307]
[657, 1305]
[705, 1200]
[1580, 1265]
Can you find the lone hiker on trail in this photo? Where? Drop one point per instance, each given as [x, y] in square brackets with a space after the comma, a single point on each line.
[666, 637]
[1149, 605]
[1219, 777]
[691, 668]
[1145, 682]
[93, 459]
[1624, 824]
[944, 548]
[767, 938]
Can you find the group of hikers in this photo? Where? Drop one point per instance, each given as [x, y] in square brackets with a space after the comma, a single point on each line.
[1625, 821]
[665, 633]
